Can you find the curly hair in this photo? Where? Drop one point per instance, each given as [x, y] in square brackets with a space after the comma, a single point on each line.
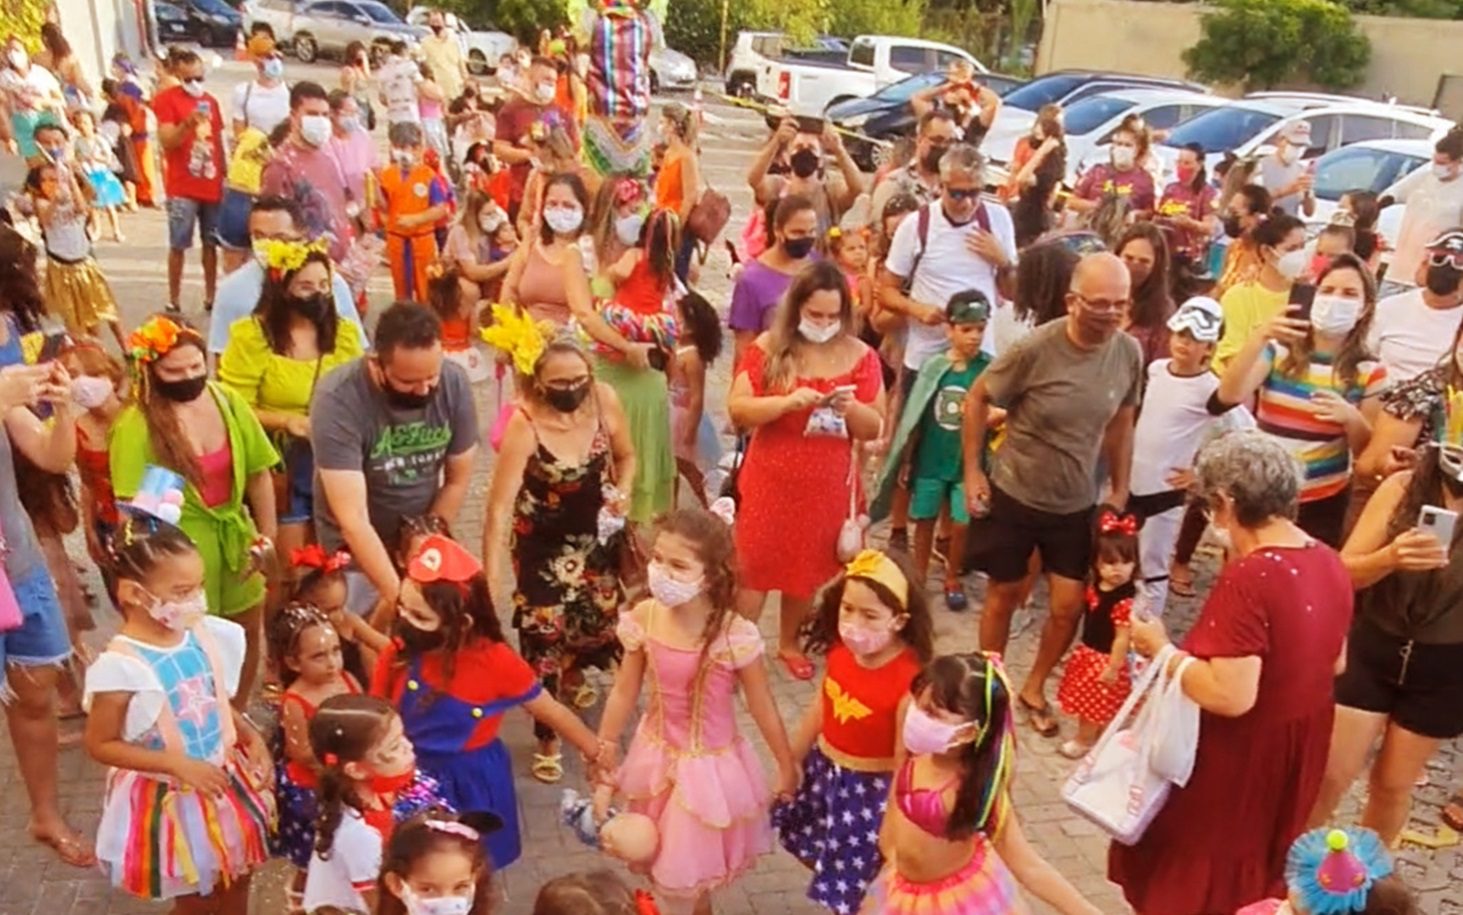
[820, 631]
[1043, 279]
[701, 326]
[711, 538]
[275, 313]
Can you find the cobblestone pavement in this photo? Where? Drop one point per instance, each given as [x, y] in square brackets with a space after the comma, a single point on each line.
[34, 882]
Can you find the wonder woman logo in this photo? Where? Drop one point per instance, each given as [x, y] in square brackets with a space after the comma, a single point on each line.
[845, 706]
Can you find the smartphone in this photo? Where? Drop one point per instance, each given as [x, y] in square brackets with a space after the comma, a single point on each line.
[51, 346]
[809, 124]
[841, 389]
[1301, 296]
[1438, 521]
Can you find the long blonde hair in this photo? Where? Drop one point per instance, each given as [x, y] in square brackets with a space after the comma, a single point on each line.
[783, 339]
[1346, 368]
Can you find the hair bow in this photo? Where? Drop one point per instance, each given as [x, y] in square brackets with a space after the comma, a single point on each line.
[315, 557]
[834, 233]
[645, 904]
[1331, 871]
[725, 508]
[1114, 523]
[454, 828]
[629, 191]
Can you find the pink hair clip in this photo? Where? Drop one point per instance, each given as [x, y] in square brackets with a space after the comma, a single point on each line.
[454, 829]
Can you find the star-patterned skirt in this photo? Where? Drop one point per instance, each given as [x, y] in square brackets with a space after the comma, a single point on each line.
[832, 826]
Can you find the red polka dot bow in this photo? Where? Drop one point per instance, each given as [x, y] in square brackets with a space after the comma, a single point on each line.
[1114, 523]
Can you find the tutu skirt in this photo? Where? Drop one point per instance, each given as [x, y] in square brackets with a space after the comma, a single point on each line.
[157, 840]
[1082, 695]
[106, 187]
[480, 780]
[706, 452]
[832, 827]
[78, 294]
[982, 887]
[710, 809]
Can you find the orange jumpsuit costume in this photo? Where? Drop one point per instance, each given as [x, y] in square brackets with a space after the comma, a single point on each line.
[410, 249]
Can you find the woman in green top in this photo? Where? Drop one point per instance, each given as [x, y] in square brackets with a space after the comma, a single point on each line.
[274, 359]
[205, 432]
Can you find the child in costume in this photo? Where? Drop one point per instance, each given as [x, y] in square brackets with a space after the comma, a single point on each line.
[452, 676]
[926, 445]
[875, 628]
[1097, 680]
[76, 291]
[368, 781]
[697, 446]
[454, 298]
[413, 200]
[97, 380]
[320, 583]
[950, 809]
[188, 808]
[435, 865]
[98, 162]
[1339, 872]
[693, 651]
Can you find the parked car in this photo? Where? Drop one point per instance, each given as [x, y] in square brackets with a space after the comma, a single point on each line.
[806, 87]
[670, 69]
[325, 27]
[172, 22]
[755, 50]
[211, 23]
[886, 115]
[481, 48]
[1371, 165]
[1062, 87]
[1089, 124]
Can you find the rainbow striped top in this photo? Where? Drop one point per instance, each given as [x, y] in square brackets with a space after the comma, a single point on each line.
[1286, 412]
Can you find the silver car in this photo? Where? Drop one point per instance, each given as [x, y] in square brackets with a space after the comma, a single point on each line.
[670, 69]
[326, 27]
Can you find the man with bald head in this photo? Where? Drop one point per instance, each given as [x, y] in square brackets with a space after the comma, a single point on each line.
[1070, 392]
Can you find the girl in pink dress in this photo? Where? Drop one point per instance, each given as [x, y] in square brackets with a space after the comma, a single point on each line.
[687, 767]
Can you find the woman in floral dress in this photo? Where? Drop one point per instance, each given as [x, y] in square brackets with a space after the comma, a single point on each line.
[563, 450]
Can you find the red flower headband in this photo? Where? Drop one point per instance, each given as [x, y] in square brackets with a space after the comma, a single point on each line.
[1111, 522]
[315, 557]
[629, 191]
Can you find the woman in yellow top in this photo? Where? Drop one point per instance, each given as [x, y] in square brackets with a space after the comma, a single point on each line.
[274, 359]
[678, 182]
[1280, 243]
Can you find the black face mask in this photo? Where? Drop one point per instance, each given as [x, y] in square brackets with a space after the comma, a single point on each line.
[804, 163]
[185, 391]
[566, 400]
[1443, 279]
[798, 248]
[418, 641]
[1232, 227]
[405, 400]
[311, 307]
[931, 158]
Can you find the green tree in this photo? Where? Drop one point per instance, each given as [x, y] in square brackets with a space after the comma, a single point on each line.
[521, 18]
[1266, 43]
[24, 18]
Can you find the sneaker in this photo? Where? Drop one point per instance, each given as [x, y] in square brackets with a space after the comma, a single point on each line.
[899, 539]
[1074, 749]
[955, 598]
[174, 308]
[208, 307]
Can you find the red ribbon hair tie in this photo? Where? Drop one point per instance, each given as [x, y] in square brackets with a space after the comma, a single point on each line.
[1114, 523]
[645, 904]
[315, 557]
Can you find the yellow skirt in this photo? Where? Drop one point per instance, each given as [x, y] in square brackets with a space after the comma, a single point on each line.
[78, 294]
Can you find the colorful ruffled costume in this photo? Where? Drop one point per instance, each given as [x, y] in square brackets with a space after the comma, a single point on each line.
[619, 37]
[698, 779]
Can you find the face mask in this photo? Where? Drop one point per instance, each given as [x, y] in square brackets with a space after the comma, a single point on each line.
[184, 391]
[490, 220]
[406, 400]
[564, 220]
[1123, 157]
[1232, 227]
[798, 248]
[403, 157]
[1292, 264]
[566, 400]
[417, 641]
[931, 158]
[1186, 173]
[862, 640]
[437, 29]
[310, 306]
[315, 129]
[544, 92]
[804, 163]
[670, 591]
[925, 734]
[178, 615]
[1443, 279]
[273, 68]
[1444, 172]
[1334, 314]
[57, 153]
[349, 123]
[18, 59]
[627, 228]
[90, 391]
[441, 905]
[193, 87]
[818, 333]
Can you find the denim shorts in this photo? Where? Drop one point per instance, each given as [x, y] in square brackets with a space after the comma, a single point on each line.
[299, 464]
[183, 215]
[42, 639]
[233, 219]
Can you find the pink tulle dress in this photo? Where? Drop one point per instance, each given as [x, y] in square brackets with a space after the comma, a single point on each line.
[699, 780]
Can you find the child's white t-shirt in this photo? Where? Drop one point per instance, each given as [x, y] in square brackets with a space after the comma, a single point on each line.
[353, 866]
[1171, 426]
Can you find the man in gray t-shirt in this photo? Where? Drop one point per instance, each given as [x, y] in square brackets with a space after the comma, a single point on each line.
[1286, 175]
[1070, 392]
[395, 435]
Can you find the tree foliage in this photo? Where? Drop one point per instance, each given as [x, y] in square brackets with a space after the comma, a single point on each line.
[24, 18]
[1262, 44]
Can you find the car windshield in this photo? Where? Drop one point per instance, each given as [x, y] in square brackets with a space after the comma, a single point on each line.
[1043, 91]
[905, 89]
[1091, 113]
[378, 12]
[217, 7]
[1222, 129]
[169, 12]
[1361, 168]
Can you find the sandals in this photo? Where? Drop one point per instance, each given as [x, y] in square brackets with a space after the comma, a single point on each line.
[69, 848]
[1181, 585]
[548, 767]
[1041, 718]
[798, 666]
[584, 696]
[1453, 812]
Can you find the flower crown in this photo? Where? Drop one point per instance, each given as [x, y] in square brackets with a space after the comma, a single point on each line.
[518, 335]
[155, 338]
[283, 256]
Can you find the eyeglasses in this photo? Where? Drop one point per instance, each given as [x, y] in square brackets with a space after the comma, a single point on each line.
[1103, 307]
[963, 193]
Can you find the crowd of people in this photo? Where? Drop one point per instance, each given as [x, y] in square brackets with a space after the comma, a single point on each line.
[1067, 386]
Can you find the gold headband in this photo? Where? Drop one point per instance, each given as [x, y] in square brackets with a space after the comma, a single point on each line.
[872, 565]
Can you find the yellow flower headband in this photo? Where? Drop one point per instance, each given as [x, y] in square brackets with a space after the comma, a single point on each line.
[1452, 427]
[517, 335]
[283, 256]
[872, 565]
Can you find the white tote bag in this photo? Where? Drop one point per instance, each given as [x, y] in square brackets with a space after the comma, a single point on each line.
[1116, 785]
[1175, 730]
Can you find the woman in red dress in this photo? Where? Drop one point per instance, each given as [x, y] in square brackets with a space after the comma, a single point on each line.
[1268, 643]
[796, 474]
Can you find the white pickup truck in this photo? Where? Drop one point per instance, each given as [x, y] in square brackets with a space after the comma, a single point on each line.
[807, 87]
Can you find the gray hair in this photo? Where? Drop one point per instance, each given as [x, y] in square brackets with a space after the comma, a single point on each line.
[962, 158]
[1255, 471]
[404, 133]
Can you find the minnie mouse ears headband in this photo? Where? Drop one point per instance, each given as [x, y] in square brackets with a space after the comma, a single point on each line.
[442, 559]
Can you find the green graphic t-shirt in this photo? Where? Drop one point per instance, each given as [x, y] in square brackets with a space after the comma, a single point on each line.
[937, 455]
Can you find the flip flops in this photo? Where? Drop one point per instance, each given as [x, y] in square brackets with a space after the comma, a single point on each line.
[1040, 717]
[798, 666]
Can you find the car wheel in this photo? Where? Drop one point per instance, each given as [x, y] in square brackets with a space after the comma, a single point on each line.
[477, 63]
[305, 48]
[742, 87]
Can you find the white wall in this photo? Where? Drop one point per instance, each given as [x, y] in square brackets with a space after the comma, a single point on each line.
[97, 29]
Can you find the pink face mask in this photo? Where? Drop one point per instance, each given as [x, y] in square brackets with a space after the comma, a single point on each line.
[923, 733]
[863, 640]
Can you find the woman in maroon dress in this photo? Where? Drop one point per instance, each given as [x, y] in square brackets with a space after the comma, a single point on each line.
[1268, 642]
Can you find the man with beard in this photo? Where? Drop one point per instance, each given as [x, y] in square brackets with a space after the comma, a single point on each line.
[805, 154]
[1070, 392]
[921, 176]
[394, 435]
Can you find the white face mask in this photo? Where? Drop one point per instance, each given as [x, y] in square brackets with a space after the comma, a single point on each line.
[1292, 264]
[403, 157]
[178, 615]
[193, 87]
[1335, 314]
[315, 129]
[544, 92]
[1444, 172]
[273, 68]
[564, 220]
[350, 123]
[1123, 157]
[490, 219]
[627, 228]
[440, 905]
[818, 333]
[18, 58]
[90, 391]
[671, 592]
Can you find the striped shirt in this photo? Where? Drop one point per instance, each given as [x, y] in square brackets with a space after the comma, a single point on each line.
[1286, 412]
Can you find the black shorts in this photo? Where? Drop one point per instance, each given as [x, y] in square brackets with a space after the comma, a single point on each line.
[1418, 686]
[1325, 519]
[1002, 541]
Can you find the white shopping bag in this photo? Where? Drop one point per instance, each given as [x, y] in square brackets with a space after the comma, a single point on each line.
[1116, 785]
[1175, 730]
